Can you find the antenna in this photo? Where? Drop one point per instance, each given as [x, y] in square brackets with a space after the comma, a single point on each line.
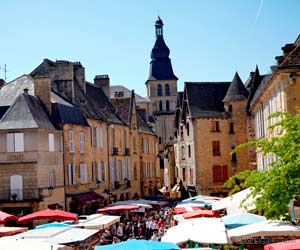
[158, 12]
[4, 70]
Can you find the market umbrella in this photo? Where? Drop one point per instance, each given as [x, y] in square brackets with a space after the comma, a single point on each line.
[241, 219]
[285, 245]
[267, 228]
[118, 208]
[139, 244]
[54, 224]
[48, 214]
[184, 209]
[201, 230]
[5, 217]
[201, 213]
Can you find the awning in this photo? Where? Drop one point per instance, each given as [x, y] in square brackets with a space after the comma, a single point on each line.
[87, 197]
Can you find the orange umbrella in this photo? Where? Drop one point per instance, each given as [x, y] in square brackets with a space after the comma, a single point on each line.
[201, 213]
[48, 214]
[118, 208]
[4, 217]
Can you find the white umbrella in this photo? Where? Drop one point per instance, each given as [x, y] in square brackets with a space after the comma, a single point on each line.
[232, 203]
[32, 244]
[264, 229]
[202, 230]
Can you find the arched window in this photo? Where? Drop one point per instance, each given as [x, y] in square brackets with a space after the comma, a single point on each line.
[167, 89]
[167, 105]
[160, 105]
[159, 90]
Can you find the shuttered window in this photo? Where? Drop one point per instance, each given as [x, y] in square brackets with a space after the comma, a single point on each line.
[220, 173]
[81, 142]
[216, 148]
[51, 142]
[83, 174]
[72, 174]
[15, 142]
[71, 141]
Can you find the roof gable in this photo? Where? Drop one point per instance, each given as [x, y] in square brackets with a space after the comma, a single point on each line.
[26, 112]
[205, 99]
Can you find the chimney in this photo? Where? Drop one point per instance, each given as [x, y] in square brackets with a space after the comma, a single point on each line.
[102, 81]
[42, 90]
[2, 82]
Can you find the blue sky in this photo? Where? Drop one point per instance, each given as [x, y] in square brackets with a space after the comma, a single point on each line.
[209, 40]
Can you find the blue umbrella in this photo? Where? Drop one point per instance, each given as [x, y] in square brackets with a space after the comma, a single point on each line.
[54, 224]
[241, 219]
[139, 244]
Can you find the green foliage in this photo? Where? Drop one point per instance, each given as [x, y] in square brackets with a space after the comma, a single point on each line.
[277, 186]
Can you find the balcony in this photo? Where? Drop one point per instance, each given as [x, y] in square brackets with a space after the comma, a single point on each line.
[115, 151]
[19, 194]
[126, 151]
[15, 157]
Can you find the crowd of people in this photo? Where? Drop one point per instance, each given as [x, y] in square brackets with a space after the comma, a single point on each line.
[151, 225]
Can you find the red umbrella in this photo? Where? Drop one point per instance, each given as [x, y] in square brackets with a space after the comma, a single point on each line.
[48, 214]
[4, 217]
[286, 245]
[118, 208]
[201, 213]
[184, 209]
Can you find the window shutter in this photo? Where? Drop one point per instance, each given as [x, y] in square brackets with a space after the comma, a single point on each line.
[81, 142]
[85, 173]
[112, 173]
[74, 173]
[19, 142]
[70, 174]
[124, 169]
[51, 142]
[99, 170]
[105, 176]
[71, 141]
[94, 176]
[129, 170]
[101, 137]
[215, 173]
[225, 172]
[81, 173]
[10, 143]
[97, 138]
[117, 171]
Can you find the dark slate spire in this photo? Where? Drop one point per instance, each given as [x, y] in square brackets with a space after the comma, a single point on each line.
[253, 85]
[236, 90]
[160, 65]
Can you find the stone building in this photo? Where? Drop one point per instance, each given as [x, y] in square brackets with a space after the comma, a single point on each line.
[210, 121]
[146, 178]
[278, 91]
[31, 153]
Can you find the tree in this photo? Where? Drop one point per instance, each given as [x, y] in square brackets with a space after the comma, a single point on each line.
[273, 189]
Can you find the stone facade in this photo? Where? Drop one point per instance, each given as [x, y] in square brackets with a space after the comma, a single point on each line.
[276, 92]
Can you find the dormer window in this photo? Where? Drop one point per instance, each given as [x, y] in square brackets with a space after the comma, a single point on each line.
[119, 94]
